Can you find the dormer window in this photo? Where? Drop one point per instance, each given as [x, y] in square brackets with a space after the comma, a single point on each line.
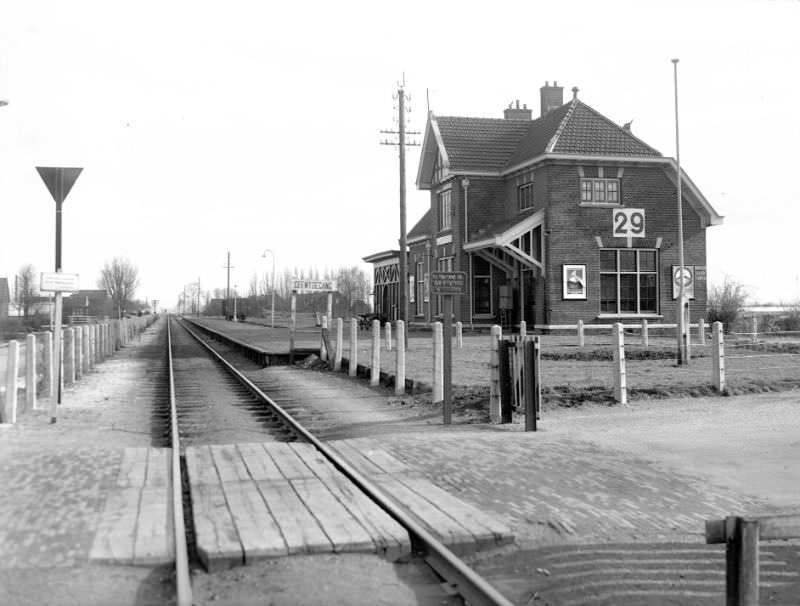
[600, 191]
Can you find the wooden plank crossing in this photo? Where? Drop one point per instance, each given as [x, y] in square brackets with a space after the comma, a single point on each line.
[135, 526]
[253, 501]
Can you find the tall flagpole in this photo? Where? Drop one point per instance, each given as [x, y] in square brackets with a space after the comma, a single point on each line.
[682, 333]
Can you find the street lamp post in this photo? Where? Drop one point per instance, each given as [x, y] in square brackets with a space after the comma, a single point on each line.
[683, 350]
[272, 311]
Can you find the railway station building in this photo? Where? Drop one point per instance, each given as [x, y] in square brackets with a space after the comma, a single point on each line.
[556, 219]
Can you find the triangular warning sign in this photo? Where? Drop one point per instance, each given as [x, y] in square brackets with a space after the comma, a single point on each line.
[58, 180]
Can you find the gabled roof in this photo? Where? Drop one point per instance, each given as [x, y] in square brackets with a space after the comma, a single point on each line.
[495, 146]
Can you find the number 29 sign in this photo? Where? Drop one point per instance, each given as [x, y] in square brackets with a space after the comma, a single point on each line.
[628, 223]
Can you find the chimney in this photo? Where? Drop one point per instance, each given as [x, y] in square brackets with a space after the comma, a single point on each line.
[515, 113]
[552, 96]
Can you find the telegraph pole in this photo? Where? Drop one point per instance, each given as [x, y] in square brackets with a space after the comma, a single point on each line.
[402, 290]
[683, 350]
[228, 288]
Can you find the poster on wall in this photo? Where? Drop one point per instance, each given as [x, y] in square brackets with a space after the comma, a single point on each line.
[574, 279]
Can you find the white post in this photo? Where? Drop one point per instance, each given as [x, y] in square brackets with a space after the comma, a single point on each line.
[460, 334]
[92, 345]
[400, 361]
[78, 335]
[701, 331]
[86, 349]
[438, 362]
[323, 351]
[388, 336]
[353, 366]
[620, 379]
[375, 369]
[337, 357]
[69, 356]
[581, 340]
[30, 371]
[754, 334]
[645, 333]
[494, 383]
[47, 350]
[718, 356]
[523, 329]
[9, 409]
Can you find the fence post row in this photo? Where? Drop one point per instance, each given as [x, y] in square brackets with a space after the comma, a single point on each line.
[400, 360]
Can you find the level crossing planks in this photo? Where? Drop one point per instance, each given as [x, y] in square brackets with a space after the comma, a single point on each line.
[135, 525]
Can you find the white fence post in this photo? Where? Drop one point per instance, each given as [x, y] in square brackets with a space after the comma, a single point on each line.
[754, 335]
[9, 410]
[323, 351]
[645, 333]
[494, 383]
[352, 369]
[620, 379]
[337, 357]
[400, 361]
[701, 331]
[460, 334]
[718, 356]
[86, 351]
[30, 371]
[523, 329]
[47, 350]
[388, 336]
[69, 356]
[375, 369]
[78, 335]
[581, 339]
[438, 362]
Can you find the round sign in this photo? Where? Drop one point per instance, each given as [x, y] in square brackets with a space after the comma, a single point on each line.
[687, 277]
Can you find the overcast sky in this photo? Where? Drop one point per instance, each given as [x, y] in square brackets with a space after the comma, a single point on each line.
[208, 127]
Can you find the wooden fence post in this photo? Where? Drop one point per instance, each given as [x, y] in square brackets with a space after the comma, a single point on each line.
[388, 336]
[323, 350]
[30, 371]
[78, 364]
[754, 335]
[504, 360]
[645, 333]
[438, 362]
[717, 356]
[86, 349]
[375, 369]
[581, 339]
[532, 388]
[47, 351]
[9, 409]
[69, 356]
[620, 379]
[400, 360]
[701, 331]
[92, 345]
[337, 357]
[460, 334]
[494, 384]
[352, 368]
[741, 555]
[523, 329]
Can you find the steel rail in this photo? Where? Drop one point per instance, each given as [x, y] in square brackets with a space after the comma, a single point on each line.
[183, 584]
[476, 590]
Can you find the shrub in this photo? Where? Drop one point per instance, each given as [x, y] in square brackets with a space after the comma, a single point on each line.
[725, 302]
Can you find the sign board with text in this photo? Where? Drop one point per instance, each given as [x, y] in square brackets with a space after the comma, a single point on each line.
[310, 286]
[59, 282]
[449, 283]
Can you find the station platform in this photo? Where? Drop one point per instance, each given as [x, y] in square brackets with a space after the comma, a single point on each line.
[262, 500]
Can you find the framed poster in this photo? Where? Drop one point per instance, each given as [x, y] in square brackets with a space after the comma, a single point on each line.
[574, 280]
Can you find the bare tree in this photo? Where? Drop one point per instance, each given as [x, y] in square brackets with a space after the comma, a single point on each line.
[25, 289]
[119, 279]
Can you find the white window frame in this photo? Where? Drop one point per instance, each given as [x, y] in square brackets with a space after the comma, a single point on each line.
[593, 188]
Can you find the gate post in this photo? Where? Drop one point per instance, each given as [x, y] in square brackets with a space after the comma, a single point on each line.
[620, 379]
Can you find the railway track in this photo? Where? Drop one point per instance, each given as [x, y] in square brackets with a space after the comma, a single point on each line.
[211, 401]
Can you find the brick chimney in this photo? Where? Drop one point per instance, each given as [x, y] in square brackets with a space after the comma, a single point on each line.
[552, 96]
[515, 113]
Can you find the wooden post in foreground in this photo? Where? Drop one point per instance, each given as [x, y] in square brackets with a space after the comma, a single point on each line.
[9, 409]
[494, 383]
[504, 359]
[438, 366]
[400, 360]
[447, 360]
[531, 378]
[352, 368]
[718, 356]
[620, 379]
[337, 357]
[47, 350]
[375, 368]
[30, 371]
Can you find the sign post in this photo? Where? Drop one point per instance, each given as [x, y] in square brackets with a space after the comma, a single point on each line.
[446, 284]
[59, 182]
[306, 287]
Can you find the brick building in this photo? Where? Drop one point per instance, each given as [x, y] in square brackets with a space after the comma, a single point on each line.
[564, 217]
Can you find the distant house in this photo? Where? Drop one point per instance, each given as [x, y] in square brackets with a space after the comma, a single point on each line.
[556, 219]
[5, 297]
[94, 303]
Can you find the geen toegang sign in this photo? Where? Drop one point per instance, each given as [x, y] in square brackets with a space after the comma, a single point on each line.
[309, 286]
[449, 283]
[59, 282]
